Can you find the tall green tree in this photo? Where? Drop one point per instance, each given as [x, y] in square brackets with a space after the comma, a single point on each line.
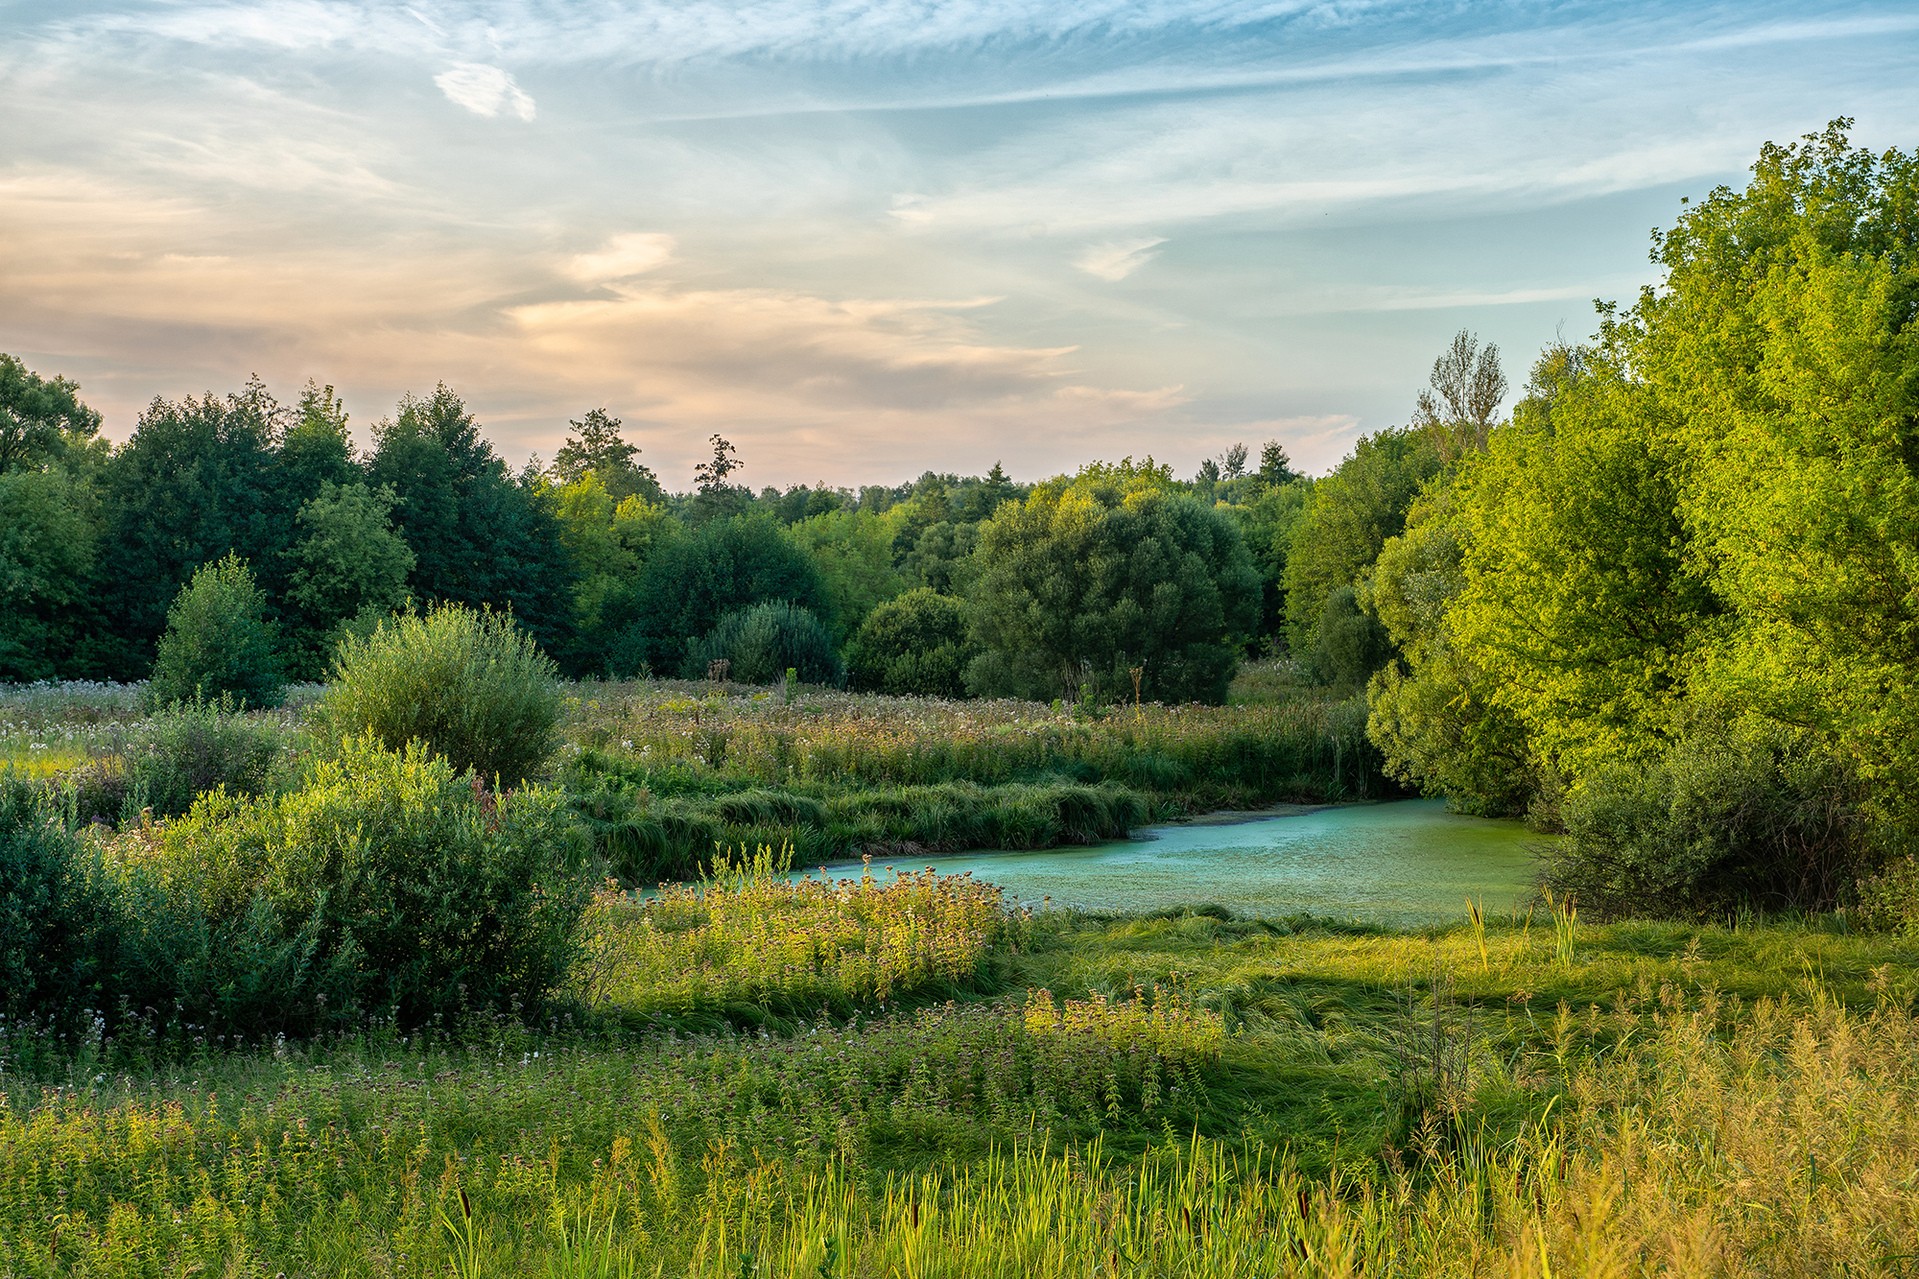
[1435, 712]
[195, 483]
[1347, 519]
[597, 448]
[38, 416]
[1111, 570]
[1581, 601]
[1783, 348]
[478, 537]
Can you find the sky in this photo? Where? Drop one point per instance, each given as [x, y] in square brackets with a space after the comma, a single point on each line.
[867, 238]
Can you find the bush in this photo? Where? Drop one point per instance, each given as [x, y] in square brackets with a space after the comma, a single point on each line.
[760, 644]
[1728, 817]
[55, 915]
[913, 645]
[1889, 899]
[388, 883]
[470, 685]
[218, 641]
[197, 745]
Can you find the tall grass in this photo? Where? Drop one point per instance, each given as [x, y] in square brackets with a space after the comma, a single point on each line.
[681, 737]
[752, 939]
[663, 773]
[1776, 1139]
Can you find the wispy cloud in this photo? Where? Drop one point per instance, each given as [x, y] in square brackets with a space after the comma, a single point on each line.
[623, 256]
[1117, 259]
[484, 90]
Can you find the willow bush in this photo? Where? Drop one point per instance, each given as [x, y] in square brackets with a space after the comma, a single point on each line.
[468, 684]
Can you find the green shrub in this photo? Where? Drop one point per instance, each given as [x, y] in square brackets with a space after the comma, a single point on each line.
[470, 685]
[1889, 899]
[387, 883]
[760, 644]
[56, 928]
[1728, 817]
[913, 645]
[197, 745]
[218, 641]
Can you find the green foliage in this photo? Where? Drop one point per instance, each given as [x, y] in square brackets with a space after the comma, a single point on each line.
[690, 583]
[853, 551]
[195, 483]
[218, 642]
[351, 566]
[478, 537]
[1268, 523]
[38, 416]
[1433, 713]
[49, 534]
[57, 928]
[1782, 350]
[387, 883]
[1111, 570]
[194, 746]
[1348, 643]
[1348, 518]
[597, 449]
[751, 934]
[762, 643]
[1745, 815]
[1581, 603]
[912, 646]
[469, 684]
[645, 838]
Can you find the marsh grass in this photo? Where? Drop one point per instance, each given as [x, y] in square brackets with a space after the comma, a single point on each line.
[664, 772]
[751, 941]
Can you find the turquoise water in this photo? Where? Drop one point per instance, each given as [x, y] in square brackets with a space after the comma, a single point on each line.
[1407, 862]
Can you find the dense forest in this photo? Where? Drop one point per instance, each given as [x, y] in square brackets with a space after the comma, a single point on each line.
[1670, 603]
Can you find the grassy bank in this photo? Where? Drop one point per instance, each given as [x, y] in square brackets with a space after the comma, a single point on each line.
[1177, 1095]
[664, 773]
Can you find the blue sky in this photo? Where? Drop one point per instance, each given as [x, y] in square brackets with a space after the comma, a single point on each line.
[866, 238]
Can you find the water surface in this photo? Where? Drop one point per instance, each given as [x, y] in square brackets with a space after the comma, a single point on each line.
[1407, 862]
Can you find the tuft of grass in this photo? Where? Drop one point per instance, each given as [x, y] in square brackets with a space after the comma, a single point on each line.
[753, 940]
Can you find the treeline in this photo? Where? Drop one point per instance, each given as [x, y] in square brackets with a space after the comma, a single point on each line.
[258, 526]
[1671, 605]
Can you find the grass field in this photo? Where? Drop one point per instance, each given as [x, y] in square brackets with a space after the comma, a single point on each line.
[900, 1076]
[1053, 1094]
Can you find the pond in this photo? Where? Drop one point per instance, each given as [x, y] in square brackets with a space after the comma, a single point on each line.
[1403, 863]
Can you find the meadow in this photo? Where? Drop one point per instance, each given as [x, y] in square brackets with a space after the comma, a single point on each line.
[895, 1073]
[1052, 1094]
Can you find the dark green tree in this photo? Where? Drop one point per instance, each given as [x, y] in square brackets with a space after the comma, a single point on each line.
[1111, 570]
[689, 583]
[195, 483]
[478, 537]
